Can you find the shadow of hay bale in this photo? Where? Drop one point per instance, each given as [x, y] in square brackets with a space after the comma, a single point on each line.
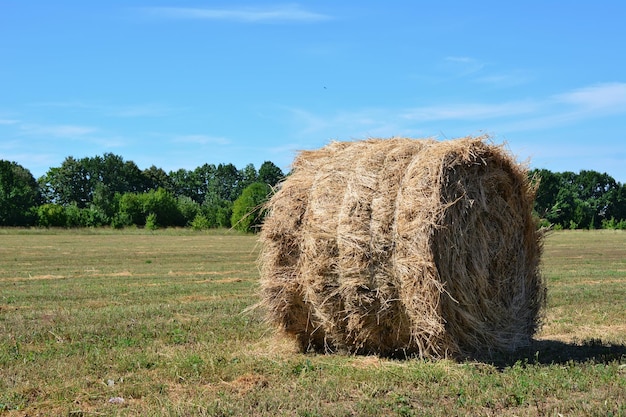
[548, 352]
[404, 247]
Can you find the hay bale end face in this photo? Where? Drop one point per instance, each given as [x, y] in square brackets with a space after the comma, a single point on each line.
[404, 247]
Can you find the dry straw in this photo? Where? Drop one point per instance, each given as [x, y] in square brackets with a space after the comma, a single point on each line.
[404, 247]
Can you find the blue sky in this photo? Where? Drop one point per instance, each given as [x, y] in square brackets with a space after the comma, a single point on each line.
[177, 84]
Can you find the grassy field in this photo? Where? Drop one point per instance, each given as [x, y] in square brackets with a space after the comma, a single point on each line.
[98, 323]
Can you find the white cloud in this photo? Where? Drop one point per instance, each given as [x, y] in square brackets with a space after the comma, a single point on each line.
[314, 130]
[573, 107]
[606, 97]
[459, 118]
[133, 110]
[464, 66]
[487, 73]
[72, 104]
[9, 121]
[289, 13]
[308, 122]
[287, 147]
[514, 78]
[469, 111]
[140, 110]
[67, 131]
[36, 162]
[201, 140]
[9, 145]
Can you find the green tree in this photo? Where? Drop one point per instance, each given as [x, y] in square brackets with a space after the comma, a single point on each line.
[156, 178]
[76, 181]
[617, 208]
[596, 190]
[66, 184]
[588, 199]
[217, 210]
[270, 174]
[248, 212]
[202, 178]
[119, 175]
[226, 182]
[19, 193]
[547, 191]
[248, 176]
[193, 184]
[182, 183]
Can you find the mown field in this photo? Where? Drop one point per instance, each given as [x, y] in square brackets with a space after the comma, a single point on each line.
[98, 323]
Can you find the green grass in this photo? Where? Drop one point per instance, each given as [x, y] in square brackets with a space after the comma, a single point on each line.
[156, 318]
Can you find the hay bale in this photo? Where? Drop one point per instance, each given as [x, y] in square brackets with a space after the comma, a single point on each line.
[404, 247]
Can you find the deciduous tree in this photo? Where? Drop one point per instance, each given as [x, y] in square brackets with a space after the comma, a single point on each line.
[19, 192]
[248, 212]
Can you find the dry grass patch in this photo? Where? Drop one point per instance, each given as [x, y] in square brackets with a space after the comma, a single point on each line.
[587, 275]
[176, 348]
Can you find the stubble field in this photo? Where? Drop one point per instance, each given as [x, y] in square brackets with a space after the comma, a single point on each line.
[103, 322]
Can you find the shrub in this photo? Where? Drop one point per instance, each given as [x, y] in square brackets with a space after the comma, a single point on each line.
[51, 215]
[217, 211]
[614, 224]
[121, 220]
[200, 222]
[130, 210]
[73, 216]
[164, 206]
[248, 212]
[151, 222]
[135, 208]
[223, 214]
[95, 217]
[188, 208]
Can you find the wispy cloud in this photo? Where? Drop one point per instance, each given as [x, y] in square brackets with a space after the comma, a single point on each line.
[140, 110]
[66, 131]
[487, 73]
[348, 125]
[201, 140]
[43, 133]
[604, 97]
[504, 117]
[469, 111]
[112, 110]
[37, 162]
[510, 79]
[573, 107]
[277, 14]
[38, 146]
[9, 145]
[463, 65]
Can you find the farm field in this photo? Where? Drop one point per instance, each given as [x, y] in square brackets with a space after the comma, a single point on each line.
[139, 323]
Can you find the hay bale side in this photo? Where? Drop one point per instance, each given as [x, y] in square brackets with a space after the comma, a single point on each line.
[401, 246]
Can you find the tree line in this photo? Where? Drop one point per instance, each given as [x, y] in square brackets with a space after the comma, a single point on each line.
[109, 191]
[587, 200]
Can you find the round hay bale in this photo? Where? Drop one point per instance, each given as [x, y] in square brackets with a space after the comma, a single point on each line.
[402, 247]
